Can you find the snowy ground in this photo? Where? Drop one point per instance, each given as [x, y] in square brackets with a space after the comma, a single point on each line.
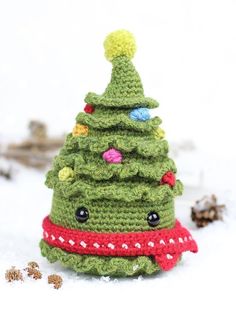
[51, 55]
[200, 283]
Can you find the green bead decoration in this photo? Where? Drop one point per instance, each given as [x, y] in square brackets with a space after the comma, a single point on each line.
[118, 197]
[66, 174]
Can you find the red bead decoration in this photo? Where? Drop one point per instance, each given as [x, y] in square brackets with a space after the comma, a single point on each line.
[89, 108]
[168, 178]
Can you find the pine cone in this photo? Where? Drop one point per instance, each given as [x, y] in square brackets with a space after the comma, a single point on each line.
[206, 211]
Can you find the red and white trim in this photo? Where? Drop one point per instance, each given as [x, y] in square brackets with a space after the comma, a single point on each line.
[165, 245]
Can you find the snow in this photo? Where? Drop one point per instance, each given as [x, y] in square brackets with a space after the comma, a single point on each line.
[51, 55]
[201, 281]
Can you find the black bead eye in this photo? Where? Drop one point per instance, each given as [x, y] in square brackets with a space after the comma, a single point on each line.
[82, 214]
[153, 219]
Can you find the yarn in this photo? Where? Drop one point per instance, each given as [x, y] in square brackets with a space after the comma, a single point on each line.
[159, 133]
[165, 245]
[112, 156]
[100, 265]
[66, 174]
[113, 183]
[168, 178]
[89, 108]
[80, 129]
[140, 114]
[136, 168]
[125, 89]
[121, 120]
[128, 190]
[111, 215]
[107, 101]
[140, 145]
[119, 43]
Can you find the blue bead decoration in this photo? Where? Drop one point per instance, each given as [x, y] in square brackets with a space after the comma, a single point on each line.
[140, 114]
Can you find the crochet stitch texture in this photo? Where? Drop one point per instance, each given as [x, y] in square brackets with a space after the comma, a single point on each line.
[114, 184]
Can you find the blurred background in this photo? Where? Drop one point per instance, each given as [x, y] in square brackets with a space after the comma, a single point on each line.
[51, 55]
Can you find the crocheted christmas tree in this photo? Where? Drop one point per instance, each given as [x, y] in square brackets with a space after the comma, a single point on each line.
[114, 184]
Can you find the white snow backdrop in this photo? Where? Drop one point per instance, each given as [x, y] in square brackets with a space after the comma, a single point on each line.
[51, 55]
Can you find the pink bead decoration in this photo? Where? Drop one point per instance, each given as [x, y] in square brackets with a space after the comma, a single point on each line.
[112, 156]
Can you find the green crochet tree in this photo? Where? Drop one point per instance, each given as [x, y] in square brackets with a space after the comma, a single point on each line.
[114, 184]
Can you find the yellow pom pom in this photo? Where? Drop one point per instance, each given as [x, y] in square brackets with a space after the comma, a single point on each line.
[80, 129]
[119, 43]
[159, 133]
[66, 174]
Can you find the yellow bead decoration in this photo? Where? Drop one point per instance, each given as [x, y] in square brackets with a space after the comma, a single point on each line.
[80, 129]
[66, 174]
[159, 133]
[119, 43]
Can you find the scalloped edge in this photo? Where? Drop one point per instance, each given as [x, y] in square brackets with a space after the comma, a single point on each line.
[114, 191]
[144, 146]
[133, 102]
[100, 265]
[121, 120]
[97, 172]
